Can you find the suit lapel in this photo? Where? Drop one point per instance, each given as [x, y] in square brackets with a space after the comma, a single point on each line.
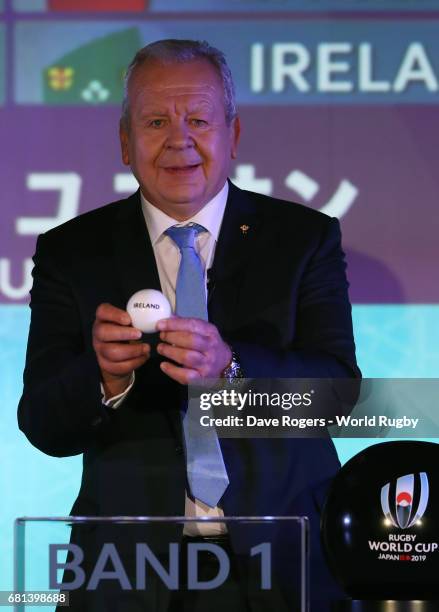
[237, 241]
[134, 261]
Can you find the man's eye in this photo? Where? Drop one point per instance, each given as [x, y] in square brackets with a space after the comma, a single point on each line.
[156, 123]
[198, 122]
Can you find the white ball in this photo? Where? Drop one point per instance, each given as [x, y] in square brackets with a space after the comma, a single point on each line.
[146, 307]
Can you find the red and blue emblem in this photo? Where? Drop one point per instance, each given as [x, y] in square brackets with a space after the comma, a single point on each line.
[405, 502]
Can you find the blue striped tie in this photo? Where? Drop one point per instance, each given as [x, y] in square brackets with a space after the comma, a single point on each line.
[206, 472]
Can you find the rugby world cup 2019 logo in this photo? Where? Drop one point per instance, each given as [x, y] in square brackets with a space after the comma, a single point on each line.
[404, 502]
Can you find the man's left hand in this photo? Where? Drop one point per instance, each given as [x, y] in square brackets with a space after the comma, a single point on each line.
[194, 344]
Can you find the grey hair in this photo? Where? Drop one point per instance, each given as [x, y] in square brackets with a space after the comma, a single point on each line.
[173, 50]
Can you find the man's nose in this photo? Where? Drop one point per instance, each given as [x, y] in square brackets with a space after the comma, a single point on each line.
[179, 136]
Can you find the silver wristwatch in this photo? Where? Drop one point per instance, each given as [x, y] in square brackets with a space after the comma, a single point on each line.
[233, 370]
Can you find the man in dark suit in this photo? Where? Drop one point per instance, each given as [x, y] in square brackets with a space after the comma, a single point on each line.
[277, 302]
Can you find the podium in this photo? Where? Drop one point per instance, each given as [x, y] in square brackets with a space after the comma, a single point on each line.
[135, 563]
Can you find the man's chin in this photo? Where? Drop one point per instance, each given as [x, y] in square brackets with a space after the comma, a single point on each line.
[182, 202]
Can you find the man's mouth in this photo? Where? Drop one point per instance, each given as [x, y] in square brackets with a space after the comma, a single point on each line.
[182, 170]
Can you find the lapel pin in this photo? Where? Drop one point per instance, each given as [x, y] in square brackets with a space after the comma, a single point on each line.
[244, 229]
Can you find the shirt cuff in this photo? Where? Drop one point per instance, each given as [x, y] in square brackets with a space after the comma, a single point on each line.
[115, 401]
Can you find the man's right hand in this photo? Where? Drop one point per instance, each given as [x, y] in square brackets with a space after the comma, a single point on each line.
[117, 349]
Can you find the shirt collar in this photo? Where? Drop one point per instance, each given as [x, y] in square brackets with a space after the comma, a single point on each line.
[210, 216]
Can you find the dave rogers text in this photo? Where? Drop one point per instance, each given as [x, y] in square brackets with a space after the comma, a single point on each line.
[238, 400]
[253, 421]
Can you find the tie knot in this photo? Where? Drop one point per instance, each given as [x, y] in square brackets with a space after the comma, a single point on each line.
[184, 235]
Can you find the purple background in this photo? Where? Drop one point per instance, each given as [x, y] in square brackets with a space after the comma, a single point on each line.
[390, 232]
[387, 150]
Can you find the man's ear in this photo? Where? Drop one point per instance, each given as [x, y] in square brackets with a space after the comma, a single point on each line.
[235, 128]
[123, 136]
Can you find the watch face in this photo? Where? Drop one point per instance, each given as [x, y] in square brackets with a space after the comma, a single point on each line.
[234, 369]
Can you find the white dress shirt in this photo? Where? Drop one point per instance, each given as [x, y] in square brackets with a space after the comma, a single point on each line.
[167, 256]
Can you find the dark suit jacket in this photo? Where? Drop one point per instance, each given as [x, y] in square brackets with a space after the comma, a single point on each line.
[278, 294]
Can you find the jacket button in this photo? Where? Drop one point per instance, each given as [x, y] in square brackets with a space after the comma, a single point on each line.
[97, 421]
[179, 450]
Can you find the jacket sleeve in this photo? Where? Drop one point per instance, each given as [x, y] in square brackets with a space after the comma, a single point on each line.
[61, 409]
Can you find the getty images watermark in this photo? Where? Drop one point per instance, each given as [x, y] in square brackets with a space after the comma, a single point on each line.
[317, 408]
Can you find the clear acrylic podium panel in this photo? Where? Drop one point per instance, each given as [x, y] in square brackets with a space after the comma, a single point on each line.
[93, 560]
